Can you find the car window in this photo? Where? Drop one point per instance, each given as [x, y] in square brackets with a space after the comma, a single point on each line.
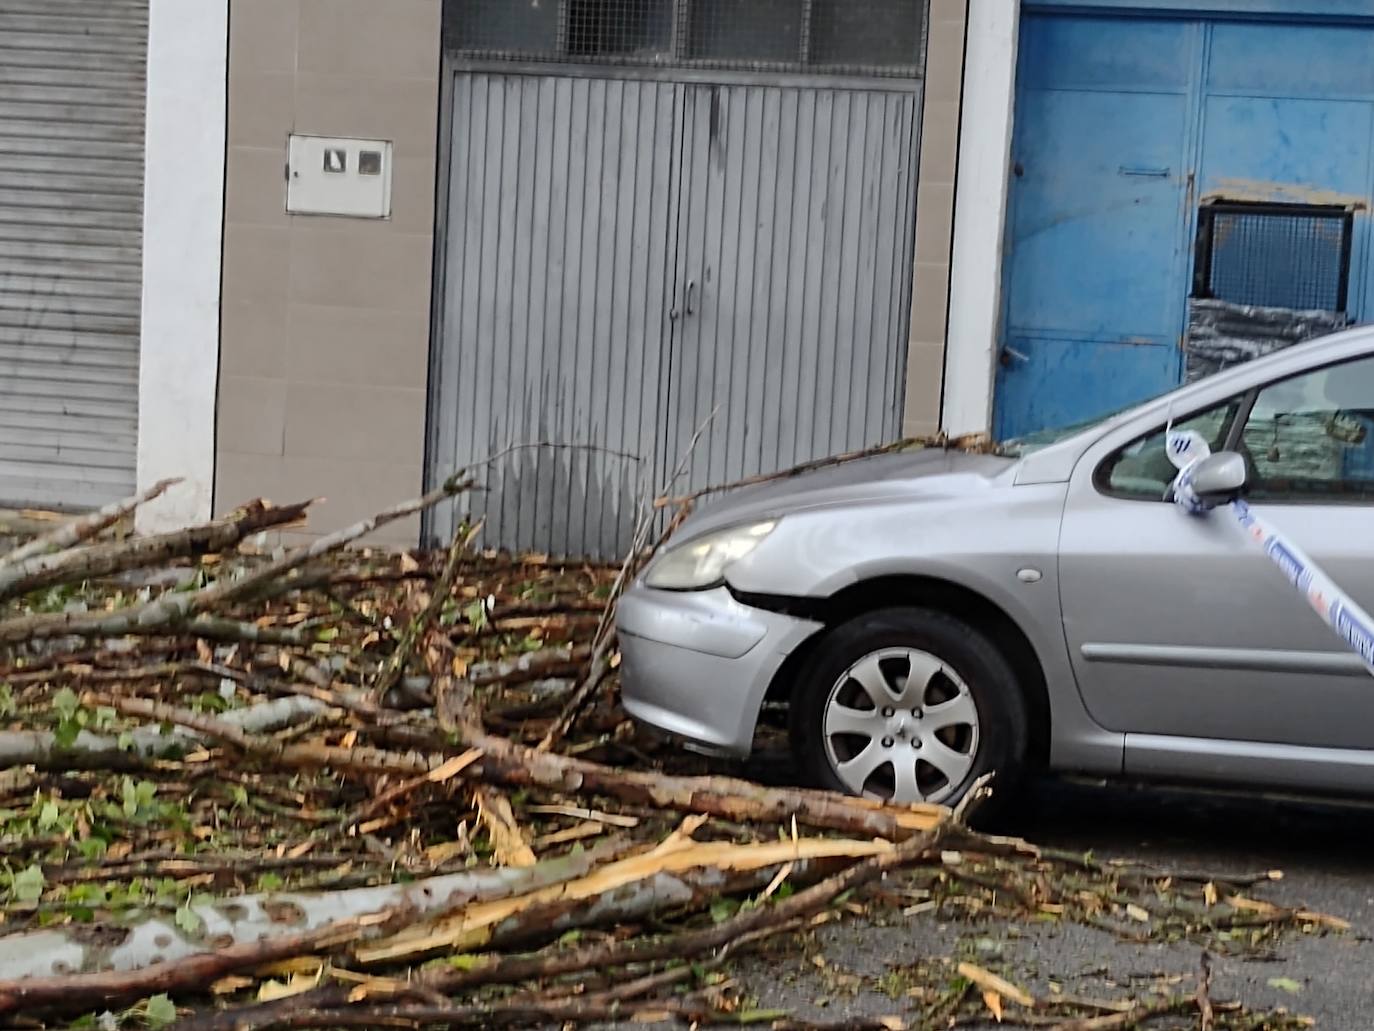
[1142, 469]
[1311, 437]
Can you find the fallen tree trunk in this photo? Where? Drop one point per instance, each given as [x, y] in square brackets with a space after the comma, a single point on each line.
[742, 801]
[523, 668]
[514, 969]
[41, 748]
[506, 762]
[83, 527]
[82, 991]
[174, 610]
[677, 873]
[74, 951]
[18, 577]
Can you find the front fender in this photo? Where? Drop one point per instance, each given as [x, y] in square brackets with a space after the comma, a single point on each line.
[979, 541]
[1001, 544]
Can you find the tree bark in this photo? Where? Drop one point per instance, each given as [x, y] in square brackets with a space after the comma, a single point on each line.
[419, 626]
[175, 609]
[513, 969]
[75, 951]
[19, 577]
[83, 527]
[40, 748]
[742, 801]
[71, 993]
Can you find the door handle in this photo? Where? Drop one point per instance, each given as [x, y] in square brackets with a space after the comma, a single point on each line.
[1010, 354]
[1141, 170]
[691, 286]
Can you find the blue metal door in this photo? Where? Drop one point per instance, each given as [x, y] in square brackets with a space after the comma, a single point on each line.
[1097, 232]
[1124, 126]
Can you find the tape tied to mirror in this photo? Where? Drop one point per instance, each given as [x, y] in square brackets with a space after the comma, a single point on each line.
[1351, 623]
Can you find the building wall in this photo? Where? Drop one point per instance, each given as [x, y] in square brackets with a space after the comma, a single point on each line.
[325, 321]
[183, 218]
[934, 216]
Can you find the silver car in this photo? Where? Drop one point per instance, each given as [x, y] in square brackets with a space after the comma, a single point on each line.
[930, 616]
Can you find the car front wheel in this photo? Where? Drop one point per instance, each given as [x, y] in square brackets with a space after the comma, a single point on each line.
[908, 705]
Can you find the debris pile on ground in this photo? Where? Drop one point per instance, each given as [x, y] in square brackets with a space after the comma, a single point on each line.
[246, 785]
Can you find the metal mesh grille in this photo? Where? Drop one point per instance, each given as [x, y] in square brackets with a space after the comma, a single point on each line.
[1280, 256]
[872, 37]
[624, 28]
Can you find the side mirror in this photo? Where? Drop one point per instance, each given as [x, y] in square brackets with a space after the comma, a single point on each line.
[1219, 478]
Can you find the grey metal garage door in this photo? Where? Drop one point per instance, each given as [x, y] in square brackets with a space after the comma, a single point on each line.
[630, 250]
[71, 200]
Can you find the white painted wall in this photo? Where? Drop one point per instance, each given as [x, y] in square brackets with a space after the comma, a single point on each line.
[980, 207]
[183, 216]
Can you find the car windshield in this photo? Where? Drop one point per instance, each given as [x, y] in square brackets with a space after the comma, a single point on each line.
[1019, 447]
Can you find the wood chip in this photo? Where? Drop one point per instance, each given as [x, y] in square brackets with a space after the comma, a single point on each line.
[990, 982]
[993, 1001]
[508, 842]
[585, 829]
[229, 985]
[614, 819]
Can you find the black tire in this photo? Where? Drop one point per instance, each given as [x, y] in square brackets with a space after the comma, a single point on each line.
[1003, 731]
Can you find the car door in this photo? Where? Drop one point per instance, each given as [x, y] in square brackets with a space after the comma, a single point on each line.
[1179, 628]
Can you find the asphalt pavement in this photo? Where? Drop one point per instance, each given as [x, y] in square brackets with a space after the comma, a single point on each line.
[1326, 853]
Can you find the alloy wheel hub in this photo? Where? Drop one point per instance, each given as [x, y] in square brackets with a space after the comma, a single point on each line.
[901, 725]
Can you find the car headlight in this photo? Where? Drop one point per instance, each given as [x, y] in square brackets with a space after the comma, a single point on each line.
[701, 562]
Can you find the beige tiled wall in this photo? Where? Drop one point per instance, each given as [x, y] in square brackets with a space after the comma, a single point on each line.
[934, 216]
[325, 321]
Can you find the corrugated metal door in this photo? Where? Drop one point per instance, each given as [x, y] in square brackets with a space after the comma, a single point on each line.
[793, 275]
[556, 303]
[627, 256]
[71, 193]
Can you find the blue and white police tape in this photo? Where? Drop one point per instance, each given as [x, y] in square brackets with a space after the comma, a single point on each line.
[1336, 608]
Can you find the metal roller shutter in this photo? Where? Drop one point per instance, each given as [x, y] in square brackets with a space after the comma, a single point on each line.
[71, 203]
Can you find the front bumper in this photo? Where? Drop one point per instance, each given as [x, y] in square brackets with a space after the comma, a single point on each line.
[697, 664]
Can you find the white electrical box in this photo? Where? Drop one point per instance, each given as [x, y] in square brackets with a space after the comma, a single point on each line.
[331, 176]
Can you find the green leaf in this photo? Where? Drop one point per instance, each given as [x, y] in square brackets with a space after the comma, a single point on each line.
[159, 1011]
[65, 702]
[7, 707]
[66, 733]
[1286, 984]
[210, 701]
[48, 816]
[723, 909]
[129, 796]
[88, 893]
[90, 848]
[27, 885]
[188, 920]
[269, 881]
[327, 634]
[476, 614]
[465, 961]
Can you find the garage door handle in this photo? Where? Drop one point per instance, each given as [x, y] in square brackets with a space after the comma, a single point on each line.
[1010, 354]
[1149, 173]
[691, 286]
